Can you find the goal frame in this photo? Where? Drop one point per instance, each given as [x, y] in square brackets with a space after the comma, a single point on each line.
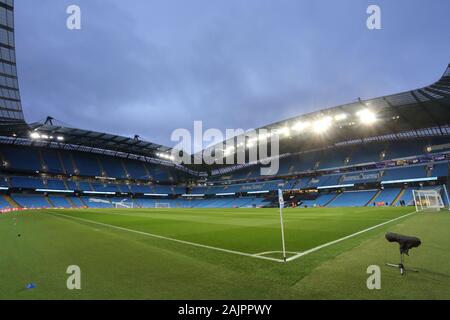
[123, 205]
[428, 200]
[162, 205]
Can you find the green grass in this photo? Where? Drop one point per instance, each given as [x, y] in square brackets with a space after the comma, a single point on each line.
[120, 264]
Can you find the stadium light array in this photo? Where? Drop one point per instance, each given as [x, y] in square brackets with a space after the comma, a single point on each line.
[229, 150]
[366, 116]
[340, 117]
[251, 142]
[284, 131]
[263, 136]
[322, 125]
[165, 156]
[301, 126]
[36, 136]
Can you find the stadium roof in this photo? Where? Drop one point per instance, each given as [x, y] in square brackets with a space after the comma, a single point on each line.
[415, 113]
[98, 139]
[10, 105]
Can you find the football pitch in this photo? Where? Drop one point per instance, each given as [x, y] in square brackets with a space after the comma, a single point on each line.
[221, 253]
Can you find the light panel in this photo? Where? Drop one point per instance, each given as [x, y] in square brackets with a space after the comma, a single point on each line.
[322, 125]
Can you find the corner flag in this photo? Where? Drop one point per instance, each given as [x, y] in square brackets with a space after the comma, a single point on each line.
[280, 198]
[281, 202]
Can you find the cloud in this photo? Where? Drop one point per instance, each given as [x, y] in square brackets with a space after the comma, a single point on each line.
[149, 67]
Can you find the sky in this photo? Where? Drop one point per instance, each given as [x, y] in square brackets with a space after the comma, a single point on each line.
[149, 67]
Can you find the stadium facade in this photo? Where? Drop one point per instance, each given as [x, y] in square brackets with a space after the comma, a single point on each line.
[10, 104]
[371, 152]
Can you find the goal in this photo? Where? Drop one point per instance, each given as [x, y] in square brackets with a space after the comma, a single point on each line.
[162, 205]
[123, 204]
[428, 200]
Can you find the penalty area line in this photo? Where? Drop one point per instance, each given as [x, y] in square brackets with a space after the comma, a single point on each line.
[304, 253]
[166, 238]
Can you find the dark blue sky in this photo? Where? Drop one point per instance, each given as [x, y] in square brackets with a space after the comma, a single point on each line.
[149, 67]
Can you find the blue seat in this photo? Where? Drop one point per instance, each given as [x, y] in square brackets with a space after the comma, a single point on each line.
[31, 201]
[440, 170]
[388, 195]
[23, 159]
[87, 164]
[353, 199]
[28, 183]
[51, 161]
[60, 201]
[113, 167]
[403, 173]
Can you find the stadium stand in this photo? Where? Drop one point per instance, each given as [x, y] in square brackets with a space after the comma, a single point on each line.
[4, 204]
[320, 201]
[387, 196]
[440, 170]
[54, 184]
[87, 165]
[21, 159]
[412, 172]
[59, 202]
[91, 167]
[353, 198]
[113, 168]
[77, 202]
[31, 201]
[25, 182]
[47, 164]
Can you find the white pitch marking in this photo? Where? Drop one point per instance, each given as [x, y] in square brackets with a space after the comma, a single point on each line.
[269, 252]
[167, 238]
[344, 238]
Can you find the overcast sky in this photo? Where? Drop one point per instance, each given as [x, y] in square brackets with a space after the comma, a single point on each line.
[148, 67]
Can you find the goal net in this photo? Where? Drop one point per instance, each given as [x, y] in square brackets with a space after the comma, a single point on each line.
[162, 205]
[124, 204]
[428, 200]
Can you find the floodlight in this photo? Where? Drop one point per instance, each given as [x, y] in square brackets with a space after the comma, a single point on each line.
[340, 117]
[322, 125]
[251, 142]
[263, 136]
[366, 116]
[284, 131]
[44, 136]
[229, 150]
[300, 126]
[35, 135]
[60, 138]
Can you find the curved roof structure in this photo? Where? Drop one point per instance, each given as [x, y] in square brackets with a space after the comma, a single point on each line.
[13, 125]
[10, 104]
[420, 112]
[415, 113]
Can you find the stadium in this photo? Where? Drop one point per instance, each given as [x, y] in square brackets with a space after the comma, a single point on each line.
[141, 226]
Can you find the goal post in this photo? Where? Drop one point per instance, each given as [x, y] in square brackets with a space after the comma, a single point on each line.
[162, 205]
[428, 199]
[124, 204]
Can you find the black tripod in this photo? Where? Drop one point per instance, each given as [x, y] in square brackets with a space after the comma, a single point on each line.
[401, 266]
[406, 243]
